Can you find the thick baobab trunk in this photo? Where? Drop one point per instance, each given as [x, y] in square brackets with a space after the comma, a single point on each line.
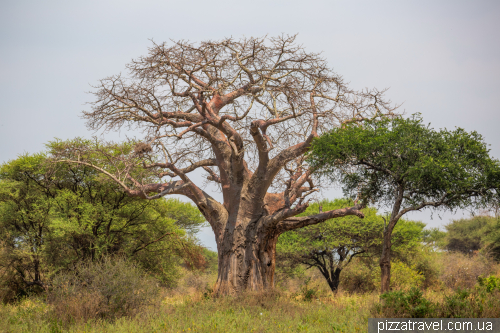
[385, 262]
[246, 260]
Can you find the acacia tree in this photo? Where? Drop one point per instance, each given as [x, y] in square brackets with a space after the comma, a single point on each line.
[243, 111]
[331, 246]
[407, 166]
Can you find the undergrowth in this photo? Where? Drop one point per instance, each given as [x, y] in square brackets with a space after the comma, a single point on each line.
[250, 312]
[89, 300]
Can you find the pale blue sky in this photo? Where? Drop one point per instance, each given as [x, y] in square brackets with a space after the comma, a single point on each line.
[439, 58]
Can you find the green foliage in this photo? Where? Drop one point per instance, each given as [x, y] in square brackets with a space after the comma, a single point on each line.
[466, 235]
[211, 259]
[426, 261]
[185, 216]
[409, 304]
[451, 167]
[492, 240]
[434, 237]
[54, 215]
[490, 283]
[308, 292]
[350, 233]
[456, 305]
[406, 239]
[363, 275]
[474, 234]
[405, 276]
[460, 304]
[407, 166]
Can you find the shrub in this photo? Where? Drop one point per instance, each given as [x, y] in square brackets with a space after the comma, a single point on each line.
[476, 303]
[365, 276]
[13, 285]
[490, 283]
[195, 282]
[427, 263]
[405, 277]
[457, 304]
[360, 276]
[460, 271]
[404, 304]
[110, 288]
[309, 291]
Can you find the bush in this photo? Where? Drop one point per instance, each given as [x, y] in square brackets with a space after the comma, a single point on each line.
[359, 277]
[404, 277]
[475, 303]
[194, 282]
[490, 283]
[309, 292]
[12, 285]
[427, 263]
[110, 288]
[401, 304]
[460, 271]
[457, 305]
[362, 276]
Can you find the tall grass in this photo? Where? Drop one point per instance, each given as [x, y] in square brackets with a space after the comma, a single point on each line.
[251, 312]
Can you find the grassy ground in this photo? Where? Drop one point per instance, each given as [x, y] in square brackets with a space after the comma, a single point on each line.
[300, 305]
[248, 313]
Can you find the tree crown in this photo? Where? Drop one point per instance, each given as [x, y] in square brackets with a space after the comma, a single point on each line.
[431, 168]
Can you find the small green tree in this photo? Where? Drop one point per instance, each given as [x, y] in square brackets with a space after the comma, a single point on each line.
[403, 164]
[332, 245]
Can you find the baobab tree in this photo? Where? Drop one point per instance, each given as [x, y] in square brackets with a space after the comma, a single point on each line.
[243, 111]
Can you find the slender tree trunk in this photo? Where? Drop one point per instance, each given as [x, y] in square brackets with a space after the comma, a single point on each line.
[385, 263]
[385, 258]
[246, 260]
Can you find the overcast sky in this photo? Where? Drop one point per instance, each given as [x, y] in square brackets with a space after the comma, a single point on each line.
[439, 58]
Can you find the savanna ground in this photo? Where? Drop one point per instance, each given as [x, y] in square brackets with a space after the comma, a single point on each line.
[298, 304]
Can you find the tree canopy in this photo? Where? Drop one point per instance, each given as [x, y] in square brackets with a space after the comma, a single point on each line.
[406, 165]
[450, 169]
